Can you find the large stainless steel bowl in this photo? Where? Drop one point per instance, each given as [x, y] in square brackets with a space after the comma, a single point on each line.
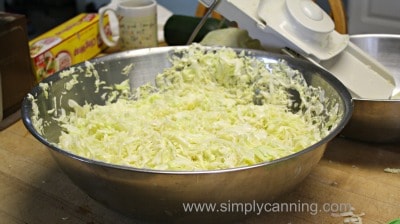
[159, 195]
[376, 120]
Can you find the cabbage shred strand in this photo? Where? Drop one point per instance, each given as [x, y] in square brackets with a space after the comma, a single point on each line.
[212, 109]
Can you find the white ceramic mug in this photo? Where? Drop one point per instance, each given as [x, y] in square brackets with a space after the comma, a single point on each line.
[137, 24]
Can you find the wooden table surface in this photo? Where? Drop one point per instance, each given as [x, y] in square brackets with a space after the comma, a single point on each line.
[34, 190]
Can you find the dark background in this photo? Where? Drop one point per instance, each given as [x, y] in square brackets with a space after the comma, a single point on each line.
[42, 15]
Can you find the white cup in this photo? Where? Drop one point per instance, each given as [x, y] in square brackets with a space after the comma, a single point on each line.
[137, 24]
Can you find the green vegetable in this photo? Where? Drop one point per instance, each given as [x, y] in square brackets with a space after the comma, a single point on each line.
[231, 37]
[179, 28]
[202, 115]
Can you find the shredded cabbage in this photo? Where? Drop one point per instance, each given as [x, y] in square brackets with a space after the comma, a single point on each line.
[210, 110]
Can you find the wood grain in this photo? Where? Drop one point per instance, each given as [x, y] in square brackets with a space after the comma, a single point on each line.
[34, 190]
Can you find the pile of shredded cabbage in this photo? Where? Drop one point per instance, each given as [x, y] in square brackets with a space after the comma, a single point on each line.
[210, 110]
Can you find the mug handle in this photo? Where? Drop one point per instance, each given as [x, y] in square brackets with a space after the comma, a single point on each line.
[109, 42]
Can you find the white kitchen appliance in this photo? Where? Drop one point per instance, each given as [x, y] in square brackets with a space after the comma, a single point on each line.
[302, 28]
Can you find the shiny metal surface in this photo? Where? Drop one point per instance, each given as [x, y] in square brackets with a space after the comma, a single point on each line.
[377, 120]
[158, 195]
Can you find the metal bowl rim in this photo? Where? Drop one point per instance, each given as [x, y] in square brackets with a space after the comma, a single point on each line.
[381, 36]
[26, 105]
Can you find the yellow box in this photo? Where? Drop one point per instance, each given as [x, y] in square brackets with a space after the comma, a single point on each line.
[72, 42]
